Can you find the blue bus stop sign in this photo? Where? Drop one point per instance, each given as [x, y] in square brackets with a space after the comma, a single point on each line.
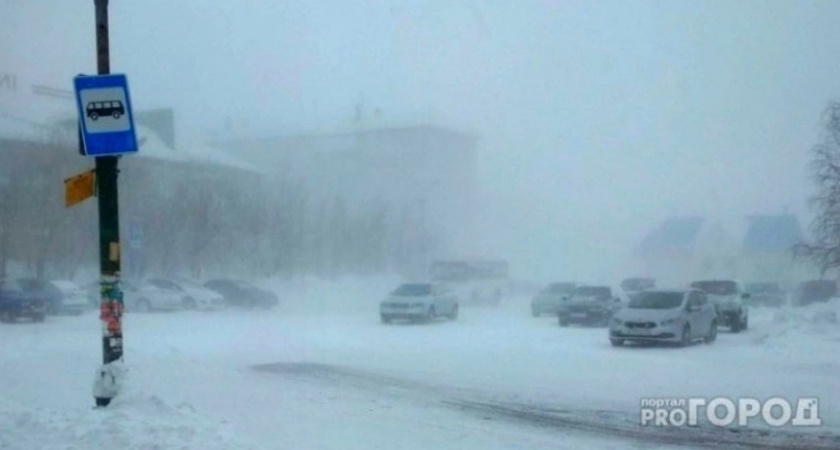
[105, 117]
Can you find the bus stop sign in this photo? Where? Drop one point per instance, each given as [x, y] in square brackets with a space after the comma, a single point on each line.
[106, 121]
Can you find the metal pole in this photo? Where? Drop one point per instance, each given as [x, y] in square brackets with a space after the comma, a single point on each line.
[111, 301]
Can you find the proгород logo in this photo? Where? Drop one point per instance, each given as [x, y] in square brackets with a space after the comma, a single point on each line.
[724, 412]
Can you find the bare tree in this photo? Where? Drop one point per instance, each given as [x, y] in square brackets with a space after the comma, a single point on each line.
[824, 248]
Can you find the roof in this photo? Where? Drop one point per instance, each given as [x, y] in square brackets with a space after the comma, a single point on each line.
[190, 150]
[772, 233]
[672, 235]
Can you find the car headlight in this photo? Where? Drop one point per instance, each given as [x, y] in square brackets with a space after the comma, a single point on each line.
[673, 321]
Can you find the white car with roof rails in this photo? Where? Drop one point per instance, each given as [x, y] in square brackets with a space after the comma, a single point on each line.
[728, 298]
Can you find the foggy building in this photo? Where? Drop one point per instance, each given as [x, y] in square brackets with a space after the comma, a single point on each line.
[760, 248]
[424, 173]
[768, 249]
[166, 185]
[669, 250]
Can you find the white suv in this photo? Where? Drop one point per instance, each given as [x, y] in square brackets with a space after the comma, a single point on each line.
[728, 297]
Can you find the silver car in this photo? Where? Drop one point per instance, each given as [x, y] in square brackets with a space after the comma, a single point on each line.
[548, 300]
[419, 302]
[675, 316]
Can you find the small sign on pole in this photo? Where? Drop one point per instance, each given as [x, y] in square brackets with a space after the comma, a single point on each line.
[78, 188]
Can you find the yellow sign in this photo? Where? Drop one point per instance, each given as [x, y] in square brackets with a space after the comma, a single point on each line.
[78, 187]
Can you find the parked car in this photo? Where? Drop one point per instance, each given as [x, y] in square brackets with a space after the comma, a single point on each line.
[17, 299]
[549, 299]
[193, 295]
[590, 305]
[51, 294]
[419, 302]
[767, 294]
[146, 297]
[74, 299]
[676, 316]
[814, 291]
[242, 294]
[632, 286]
[728, 297]
[140, 297]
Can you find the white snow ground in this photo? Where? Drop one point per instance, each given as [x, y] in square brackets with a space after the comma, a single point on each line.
[321, 372]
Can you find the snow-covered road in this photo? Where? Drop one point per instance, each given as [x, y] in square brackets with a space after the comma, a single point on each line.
[322, 372]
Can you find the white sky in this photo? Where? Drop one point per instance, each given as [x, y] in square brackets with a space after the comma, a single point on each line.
[597, 118]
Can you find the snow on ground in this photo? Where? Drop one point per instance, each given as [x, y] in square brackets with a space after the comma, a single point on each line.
[321, 372]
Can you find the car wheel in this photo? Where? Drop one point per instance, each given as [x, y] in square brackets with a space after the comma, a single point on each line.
[189, 303]
[686, 336]
[143, 305]
[745, 323]
[564, 322]
[385, 319]
[430, 316]
[712, 336]
[454, 314]
[616, 342]
[94, 116]
[116, 115]
[736, 325]
[38, 317]
[8, 317]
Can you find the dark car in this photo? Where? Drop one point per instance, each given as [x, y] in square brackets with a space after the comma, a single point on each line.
[767, 294]
[242, 294]
[814, 291]
[45, 290]
[593, 305]
[62, 296]
[19, 300]
[548, 300]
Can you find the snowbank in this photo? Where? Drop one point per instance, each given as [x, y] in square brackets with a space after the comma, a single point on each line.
[132, 421]
[792, 327]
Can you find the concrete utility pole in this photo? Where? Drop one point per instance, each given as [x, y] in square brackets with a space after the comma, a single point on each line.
[111, 299]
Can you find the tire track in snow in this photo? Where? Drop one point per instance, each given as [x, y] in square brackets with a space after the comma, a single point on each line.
[603, 423]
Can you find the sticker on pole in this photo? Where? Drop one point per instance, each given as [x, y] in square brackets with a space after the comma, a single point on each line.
[105, 115]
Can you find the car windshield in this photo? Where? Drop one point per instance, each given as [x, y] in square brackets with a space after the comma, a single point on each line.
[414, 289]
[716, 287]
[592, 293]
[656, 300]
[163, 284]
[637, 284]
[559, 288]
[10, 285]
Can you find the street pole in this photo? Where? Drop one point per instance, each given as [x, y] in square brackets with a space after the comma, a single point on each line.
[107, 381]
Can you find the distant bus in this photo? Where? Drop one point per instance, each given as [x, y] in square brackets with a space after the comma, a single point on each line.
[474, 281]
